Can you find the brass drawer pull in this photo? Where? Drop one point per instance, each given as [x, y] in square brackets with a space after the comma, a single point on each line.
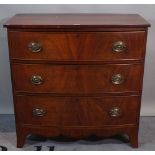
[39, 112]
[36, 80]
[34, 47]
[117, 79]
[115, 112]
[119, 47]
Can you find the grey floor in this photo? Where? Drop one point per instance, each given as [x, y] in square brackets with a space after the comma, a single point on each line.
[146, 139]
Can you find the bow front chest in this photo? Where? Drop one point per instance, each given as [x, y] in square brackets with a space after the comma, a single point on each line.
[77, 74]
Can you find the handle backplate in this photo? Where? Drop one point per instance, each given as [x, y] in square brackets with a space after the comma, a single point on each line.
[34, 47]
[115, 112]
[36, 80]
[119, 47]
[117, 79]
[39, 112]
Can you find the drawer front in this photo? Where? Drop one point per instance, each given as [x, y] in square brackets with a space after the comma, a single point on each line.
[78, 111]
[86, 46]
[42, 78]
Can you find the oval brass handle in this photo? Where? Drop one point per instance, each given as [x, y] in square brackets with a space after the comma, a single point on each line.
[115, 112]
[36, 79]
[39, 112]
[34, 47]
[119, 47]
[117, 79]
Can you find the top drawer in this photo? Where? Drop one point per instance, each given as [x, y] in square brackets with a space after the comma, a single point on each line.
[77, 46]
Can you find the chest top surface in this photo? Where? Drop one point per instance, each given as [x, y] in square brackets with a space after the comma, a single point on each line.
[76, 21]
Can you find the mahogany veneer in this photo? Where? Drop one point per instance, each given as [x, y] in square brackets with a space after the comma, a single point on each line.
[77, 75]
[79, 46]
[81, 79]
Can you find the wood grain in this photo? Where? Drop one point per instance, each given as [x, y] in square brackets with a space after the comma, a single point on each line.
[77, 111]
[80, 79]
[82, 46]
[76, 21]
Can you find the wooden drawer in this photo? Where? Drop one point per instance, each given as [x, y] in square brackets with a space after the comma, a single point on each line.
[77, 46]
[78, 111]
[46, 78]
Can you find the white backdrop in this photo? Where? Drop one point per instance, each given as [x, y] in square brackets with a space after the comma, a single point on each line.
[147, 11]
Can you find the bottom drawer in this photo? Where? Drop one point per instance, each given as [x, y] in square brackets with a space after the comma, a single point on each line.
[76, 111]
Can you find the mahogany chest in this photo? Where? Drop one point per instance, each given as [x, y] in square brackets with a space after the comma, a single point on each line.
[77, 74]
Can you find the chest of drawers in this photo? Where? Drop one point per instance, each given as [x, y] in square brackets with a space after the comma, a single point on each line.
[77, 75]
